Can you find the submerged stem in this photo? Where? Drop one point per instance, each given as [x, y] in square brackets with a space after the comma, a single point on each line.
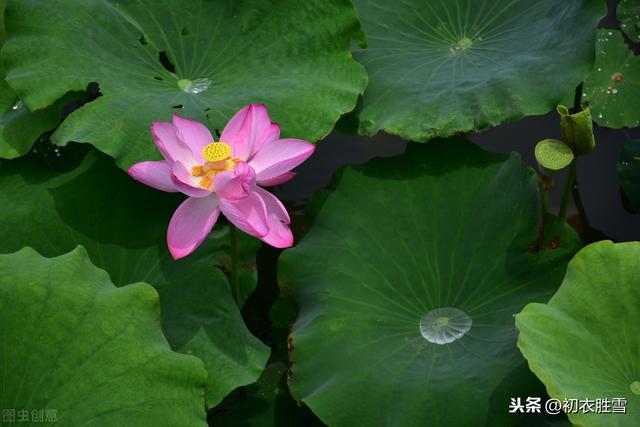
[235, 262]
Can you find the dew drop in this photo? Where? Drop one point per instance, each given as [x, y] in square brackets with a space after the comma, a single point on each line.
[444, 325]
[17, 106]
[600, 115]
[635, 387]
[194, 86]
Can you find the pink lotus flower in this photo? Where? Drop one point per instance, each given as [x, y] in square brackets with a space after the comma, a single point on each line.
[225, 176]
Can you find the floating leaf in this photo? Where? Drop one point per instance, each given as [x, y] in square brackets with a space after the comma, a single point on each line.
[76, 350]
[613, 87]
[577, 130]
[629, 17]
[440, 67]
[122, 224]
[19, 128]
[585, 343]
[407, 282]
[629, 173]
[200, 58]
[553, 155]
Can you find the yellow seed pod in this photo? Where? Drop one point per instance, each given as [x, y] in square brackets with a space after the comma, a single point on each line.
[216, 151]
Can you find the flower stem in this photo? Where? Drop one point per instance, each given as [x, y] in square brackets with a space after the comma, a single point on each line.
[545, 183]
[568, 186]
[235, 278]
[577, 98]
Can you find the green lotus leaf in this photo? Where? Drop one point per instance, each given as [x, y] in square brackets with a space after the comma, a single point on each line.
[203, 59]
[553, 155]
[629, 17]
[613, 87]
[629, 172]
[122, 224]
[585, 342]
[441, 67]
[577, 130]
[19, 127]
[407, 282]
[76, 350]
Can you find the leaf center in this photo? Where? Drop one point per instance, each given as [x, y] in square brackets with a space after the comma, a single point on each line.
[464, 44]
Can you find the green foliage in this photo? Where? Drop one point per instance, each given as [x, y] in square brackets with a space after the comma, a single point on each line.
[74, 343]
[629, 17]
[397, 305]
[122, 224]
[613, 87]
[199, 58]
[629, 172]
[391, 244]
[19, 128]
[584, 343]
[441, 67]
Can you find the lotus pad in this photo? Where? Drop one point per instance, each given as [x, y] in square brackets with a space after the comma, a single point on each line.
[407, 282]
[585, 342]
[203, 59]
[76, 350]
[440, 67]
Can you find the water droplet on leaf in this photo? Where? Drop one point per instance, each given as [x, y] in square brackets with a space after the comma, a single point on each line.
[194, 86]
[444, 325]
